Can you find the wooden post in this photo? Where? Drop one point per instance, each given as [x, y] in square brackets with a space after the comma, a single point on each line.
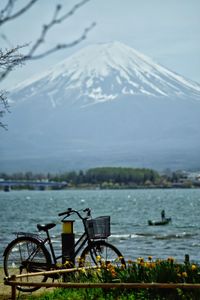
[13, 292]
[13, 288]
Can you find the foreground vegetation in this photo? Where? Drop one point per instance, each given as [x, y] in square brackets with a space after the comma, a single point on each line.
[104, 178]
[161, 271]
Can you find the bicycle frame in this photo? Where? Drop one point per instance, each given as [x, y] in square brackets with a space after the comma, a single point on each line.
[31, 253]
[79, 244]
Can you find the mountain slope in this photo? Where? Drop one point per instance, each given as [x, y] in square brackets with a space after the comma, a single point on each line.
[105, 105]
[105, 72]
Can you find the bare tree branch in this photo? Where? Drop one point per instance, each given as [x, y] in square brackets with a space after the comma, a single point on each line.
[5, 107]
[6, 14]
[55, 21]
[61, 46]
[10, 58]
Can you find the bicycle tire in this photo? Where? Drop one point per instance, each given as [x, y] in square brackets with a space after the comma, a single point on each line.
[25, 255]
[101, 252]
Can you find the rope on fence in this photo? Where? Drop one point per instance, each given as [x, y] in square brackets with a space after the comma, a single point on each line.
[59, 271]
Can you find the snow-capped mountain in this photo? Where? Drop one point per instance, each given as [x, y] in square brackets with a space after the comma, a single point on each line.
[107, 104]
[106, 72]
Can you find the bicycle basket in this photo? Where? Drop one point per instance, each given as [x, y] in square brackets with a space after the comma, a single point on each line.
[99, 228]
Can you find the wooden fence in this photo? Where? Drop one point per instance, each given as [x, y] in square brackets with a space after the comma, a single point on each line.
[13, 281]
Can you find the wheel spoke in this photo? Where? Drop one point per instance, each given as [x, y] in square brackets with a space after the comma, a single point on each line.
[101, 253]
[26, 255]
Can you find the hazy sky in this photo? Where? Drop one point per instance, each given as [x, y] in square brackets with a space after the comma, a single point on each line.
[166, 31]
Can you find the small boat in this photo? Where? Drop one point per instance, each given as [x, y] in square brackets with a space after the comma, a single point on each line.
[161, 222]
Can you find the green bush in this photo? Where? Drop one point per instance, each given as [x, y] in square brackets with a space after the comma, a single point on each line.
[157, 271]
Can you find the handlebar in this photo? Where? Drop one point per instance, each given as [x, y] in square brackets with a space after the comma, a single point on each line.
[70, 211]
[65, 212]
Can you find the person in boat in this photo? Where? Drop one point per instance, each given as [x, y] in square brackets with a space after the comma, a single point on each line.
[163, 215]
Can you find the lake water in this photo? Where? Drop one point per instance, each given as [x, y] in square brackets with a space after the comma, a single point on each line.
[129, 211]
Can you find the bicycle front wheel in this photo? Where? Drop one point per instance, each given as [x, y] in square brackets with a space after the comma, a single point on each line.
[26, 255]
[99, 253]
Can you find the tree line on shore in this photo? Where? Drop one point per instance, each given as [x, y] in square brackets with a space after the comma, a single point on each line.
[105, 177]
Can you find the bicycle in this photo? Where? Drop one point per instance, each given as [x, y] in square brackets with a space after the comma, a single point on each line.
[28, 252]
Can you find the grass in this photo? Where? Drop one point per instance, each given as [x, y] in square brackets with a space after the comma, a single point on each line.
[100, 294]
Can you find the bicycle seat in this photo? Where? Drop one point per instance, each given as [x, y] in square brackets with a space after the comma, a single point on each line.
[45, 227]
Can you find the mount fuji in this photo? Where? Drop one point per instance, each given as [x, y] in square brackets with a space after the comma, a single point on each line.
[106, 105]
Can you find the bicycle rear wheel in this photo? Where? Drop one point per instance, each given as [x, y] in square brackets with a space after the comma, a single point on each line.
[26, 255]
[101, 252]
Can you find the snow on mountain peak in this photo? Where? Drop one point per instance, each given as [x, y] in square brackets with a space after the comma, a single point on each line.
[104, 72]
[58, 119]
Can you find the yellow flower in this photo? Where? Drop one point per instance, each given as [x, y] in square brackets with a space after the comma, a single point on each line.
[141, 261]
[184, 274]
[98, 257]
[149, 264]
[130, 261]
[83, 271]
[152, 265]
[67, 263]
[58, 265]
[103, 265]
[193, 267]
[109, 265]
[170, 259]
[113, 273]
[80, 260]
[150, 258]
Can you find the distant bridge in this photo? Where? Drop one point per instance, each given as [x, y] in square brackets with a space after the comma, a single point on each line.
[7, 185]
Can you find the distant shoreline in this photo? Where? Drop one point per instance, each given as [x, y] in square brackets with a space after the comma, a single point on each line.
[105, 178]
[94, 188]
